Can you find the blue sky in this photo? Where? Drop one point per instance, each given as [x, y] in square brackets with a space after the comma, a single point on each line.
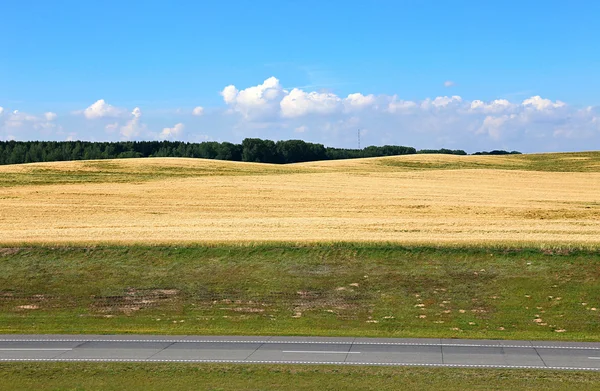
[510, 74]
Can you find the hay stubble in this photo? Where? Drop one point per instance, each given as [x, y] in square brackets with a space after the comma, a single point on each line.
[199, 201]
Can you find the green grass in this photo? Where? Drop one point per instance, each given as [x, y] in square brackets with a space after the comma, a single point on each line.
[127, 376]
[329, 290]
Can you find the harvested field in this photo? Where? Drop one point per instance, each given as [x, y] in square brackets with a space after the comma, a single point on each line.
[550, 199]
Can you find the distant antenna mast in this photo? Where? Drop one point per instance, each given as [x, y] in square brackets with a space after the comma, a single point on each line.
[358, 138]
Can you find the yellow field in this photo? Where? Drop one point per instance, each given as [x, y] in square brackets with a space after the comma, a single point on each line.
[433, 199]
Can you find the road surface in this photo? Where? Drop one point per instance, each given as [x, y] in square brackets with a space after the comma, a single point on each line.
[303, 350]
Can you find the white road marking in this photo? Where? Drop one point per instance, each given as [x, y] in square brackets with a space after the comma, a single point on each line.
[317, 351]
[594, 358]
[33, 349]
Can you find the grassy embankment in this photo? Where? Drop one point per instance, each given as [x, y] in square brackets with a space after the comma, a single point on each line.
[352, 290]
[139, 376]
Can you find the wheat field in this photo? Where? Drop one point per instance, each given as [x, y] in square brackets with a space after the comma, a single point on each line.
[540, 200]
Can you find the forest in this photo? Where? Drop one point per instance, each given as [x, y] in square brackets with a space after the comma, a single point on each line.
[250, 150]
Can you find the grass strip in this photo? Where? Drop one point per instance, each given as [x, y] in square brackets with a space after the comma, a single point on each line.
[123, 376]
[327, 290]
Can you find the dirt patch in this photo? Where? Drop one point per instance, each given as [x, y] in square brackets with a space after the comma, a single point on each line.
[557, 251]
[28, 307]
[19, 301]
[345, 304]
[133, 300]
[6, 251]
[249, 310]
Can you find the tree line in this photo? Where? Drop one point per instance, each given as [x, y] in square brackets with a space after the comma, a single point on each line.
[250, 150]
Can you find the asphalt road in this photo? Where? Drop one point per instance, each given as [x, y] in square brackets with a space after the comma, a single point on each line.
[303, 350]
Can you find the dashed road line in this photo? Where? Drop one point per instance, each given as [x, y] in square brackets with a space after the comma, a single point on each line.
[317, 351]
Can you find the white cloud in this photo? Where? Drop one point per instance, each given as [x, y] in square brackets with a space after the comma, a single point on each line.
[493, 125]
[496, 106]
[477, 104]
[359, 101]
[198, 111]
[172, 133]
[449, 83]
[25, 121]
[267, 110]
[101, 109]
[299, 103]
[538, 103]
[254, 102]
[441, 102]
[1, 110]
[269, 99]
[229, 94]
[133, 127]
[399, 105]
[18, 119]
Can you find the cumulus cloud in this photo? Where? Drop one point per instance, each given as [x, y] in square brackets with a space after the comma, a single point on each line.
[23, 123]
[172, 133]
[19, 119]
[1, 110]
[268, 110]
[541, 104]
[441, 102]
[398, 105]
[254, 102]
[538, 121]
[133, 127]
[496, 106]
[449, 83]
[269, 100]
[493, 125]
[450, 120]
[359, 101]
[229, 94]
[298, 103]
[101, 109]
